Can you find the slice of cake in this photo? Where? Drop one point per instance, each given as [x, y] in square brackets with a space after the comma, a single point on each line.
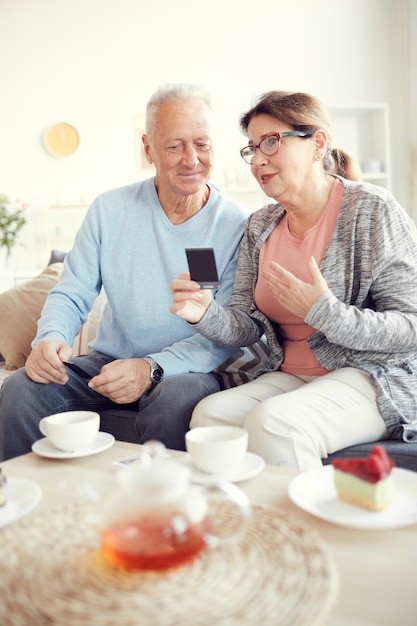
[367, 482]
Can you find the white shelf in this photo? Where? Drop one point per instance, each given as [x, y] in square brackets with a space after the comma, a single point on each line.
[363, 131]
[63, 223]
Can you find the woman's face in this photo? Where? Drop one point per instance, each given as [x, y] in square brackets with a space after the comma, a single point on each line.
[282, 176]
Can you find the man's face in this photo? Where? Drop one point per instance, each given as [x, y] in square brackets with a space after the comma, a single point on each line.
[180, 147]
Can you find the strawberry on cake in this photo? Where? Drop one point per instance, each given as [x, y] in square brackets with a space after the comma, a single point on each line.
[365, 482]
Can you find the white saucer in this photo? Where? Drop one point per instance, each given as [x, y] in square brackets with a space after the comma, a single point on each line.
[45, 448]
[250, 466]
[314, 492]
[22, 496]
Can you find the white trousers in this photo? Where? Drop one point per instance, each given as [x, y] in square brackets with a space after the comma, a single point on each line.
[296, 421]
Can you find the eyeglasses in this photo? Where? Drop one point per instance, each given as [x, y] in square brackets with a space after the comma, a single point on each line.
[271, 143]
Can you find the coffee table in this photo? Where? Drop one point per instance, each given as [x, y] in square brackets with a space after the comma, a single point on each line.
[377, 569]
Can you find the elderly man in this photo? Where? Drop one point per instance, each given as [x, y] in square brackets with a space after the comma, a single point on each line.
[132, 243]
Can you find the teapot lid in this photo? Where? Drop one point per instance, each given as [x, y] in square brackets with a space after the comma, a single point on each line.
[156, 471]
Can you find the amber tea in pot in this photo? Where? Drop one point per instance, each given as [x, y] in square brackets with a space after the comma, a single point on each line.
[157, 519]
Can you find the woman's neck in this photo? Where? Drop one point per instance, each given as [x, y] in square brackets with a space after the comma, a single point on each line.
[303, 215]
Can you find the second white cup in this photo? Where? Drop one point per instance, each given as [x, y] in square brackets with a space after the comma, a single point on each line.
[216, 449]
[71, 431]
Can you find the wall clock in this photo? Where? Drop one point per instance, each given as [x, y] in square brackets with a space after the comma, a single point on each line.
[61, 139]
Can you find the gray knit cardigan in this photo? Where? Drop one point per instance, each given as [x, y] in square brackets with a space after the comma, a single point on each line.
[368, 317]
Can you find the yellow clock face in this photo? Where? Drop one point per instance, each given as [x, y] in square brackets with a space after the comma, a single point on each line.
[61, 139]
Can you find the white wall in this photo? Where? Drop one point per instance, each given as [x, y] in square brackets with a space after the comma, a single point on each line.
[94, 64]
[402, 71]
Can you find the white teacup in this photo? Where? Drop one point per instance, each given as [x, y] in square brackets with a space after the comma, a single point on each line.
[72, 430]
[216, 449]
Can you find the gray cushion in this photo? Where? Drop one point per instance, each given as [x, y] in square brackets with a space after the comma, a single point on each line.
[57, 256]
[403, 454]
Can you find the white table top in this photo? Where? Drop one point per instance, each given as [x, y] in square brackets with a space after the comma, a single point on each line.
[378, 569]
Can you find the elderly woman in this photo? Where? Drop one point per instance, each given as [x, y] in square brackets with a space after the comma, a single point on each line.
[328, 273]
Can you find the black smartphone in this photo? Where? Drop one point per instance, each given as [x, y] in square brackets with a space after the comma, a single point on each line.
[78, 370]
[202, 266]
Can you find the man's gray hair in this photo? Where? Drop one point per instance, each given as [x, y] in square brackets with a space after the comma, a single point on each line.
[171, 92]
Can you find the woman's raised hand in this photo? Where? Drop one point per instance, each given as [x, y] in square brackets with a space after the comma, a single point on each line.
[189, 301]
[292, 293]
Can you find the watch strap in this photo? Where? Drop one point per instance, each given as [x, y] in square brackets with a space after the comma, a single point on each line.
[157, 373]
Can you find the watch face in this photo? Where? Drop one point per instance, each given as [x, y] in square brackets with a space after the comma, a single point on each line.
[156, 375]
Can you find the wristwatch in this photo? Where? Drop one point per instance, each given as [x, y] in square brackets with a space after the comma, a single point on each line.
[157, 373]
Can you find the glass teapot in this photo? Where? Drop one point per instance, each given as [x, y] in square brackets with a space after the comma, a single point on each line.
[157, 518]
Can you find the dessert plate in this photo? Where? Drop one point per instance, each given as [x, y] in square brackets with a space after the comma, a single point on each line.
[45, 448]
[250, 466]
[314, 492]
[22, 496]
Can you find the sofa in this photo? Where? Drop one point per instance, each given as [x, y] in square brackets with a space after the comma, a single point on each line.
[20, 309]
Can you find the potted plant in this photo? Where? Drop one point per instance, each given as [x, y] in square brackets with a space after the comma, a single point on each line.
[11, 223]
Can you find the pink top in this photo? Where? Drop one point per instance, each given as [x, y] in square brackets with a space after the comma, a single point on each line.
[294, 254]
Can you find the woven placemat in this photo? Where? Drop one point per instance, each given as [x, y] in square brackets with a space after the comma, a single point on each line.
[52, 572]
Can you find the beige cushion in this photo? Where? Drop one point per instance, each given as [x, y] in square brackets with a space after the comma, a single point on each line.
[88, 330]
[20, 309]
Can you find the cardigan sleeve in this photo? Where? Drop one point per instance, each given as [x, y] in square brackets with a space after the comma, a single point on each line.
[363, 329]
[378, 311]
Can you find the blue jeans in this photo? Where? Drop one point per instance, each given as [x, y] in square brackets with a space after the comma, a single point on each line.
[163, 413]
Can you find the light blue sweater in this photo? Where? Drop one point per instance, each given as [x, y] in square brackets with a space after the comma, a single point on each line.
[128, 246]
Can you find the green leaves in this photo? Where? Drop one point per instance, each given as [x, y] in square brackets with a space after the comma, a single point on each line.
[11, 223]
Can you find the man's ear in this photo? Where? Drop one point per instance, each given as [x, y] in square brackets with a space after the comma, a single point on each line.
[147, 149]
